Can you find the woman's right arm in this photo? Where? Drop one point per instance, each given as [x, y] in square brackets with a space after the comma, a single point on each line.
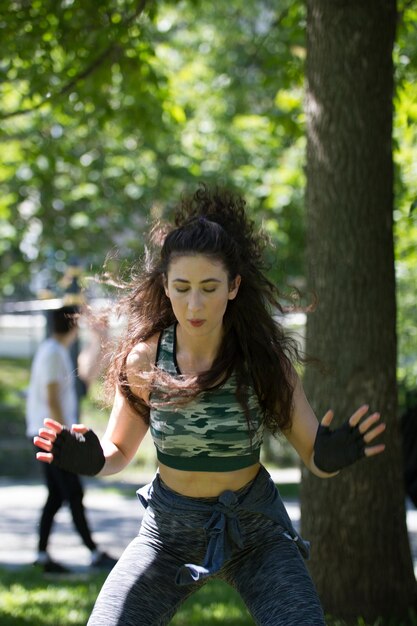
[126, 429]
[124, 434]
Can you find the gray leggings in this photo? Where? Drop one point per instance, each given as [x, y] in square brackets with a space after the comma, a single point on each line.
[268, 573]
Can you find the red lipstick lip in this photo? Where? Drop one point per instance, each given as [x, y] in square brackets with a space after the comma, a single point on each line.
[196, 322]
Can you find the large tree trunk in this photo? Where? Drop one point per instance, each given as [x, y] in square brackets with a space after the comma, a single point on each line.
[361, 561]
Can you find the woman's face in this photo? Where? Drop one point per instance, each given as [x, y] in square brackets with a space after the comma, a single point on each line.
[199, 290]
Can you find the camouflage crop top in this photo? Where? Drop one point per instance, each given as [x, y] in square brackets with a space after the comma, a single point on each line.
[210, 432]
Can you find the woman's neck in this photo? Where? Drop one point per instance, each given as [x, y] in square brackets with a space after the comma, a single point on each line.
[196, 354]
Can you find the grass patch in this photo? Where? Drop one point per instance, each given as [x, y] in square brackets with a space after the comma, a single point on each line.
[28, 598]
[14, 379]
[215, 603]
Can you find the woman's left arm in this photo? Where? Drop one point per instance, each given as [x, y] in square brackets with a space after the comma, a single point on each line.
[325, 451]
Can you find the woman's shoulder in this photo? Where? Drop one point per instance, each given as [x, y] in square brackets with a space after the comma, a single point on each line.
[142, 356]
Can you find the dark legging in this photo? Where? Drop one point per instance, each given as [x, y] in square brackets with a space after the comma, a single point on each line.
[63, 487]
[268, 572]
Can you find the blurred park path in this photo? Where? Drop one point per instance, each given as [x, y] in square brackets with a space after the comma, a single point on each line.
[115, 515]
[113, 510]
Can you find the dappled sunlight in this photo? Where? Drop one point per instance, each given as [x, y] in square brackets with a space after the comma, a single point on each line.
[215, 603]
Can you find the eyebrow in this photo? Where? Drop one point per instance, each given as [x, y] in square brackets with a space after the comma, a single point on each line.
[206, 280]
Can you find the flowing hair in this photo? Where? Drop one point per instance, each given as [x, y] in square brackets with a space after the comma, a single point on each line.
[254, 347]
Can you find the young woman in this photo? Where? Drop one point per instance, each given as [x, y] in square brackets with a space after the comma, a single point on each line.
[207, 368]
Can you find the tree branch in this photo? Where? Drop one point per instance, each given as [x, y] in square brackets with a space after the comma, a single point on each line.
[92, 67]
[262, 40]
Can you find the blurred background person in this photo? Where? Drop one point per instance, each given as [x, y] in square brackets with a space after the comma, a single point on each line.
[52, 393]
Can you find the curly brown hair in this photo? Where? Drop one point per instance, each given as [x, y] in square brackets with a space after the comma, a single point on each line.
[254, 347]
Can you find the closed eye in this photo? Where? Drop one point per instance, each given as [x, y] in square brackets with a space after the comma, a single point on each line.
[184, 290]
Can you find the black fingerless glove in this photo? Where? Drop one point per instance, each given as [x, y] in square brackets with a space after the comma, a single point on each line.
[80, 454]
[335, 449]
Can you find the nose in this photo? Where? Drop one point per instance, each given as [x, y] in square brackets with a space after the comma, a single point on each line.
[194, 301]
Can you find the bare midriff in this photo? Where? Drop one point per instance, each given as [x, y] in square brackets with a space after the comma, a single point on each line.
[206, 484]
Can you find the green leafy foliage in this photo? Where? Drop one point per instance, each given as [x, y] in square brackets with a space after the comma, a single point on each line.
[405, 216]
[109, 111]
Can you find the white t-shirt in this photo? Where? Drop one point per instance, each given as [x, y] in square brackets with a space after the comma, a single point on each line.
[51, 364]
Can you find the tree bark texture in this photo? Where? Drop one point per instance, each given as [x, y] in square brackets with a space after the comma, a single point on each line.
[361, 560]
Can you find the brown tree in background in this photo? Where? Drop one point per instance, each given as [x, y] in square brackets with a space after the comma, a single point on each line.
[361, 559]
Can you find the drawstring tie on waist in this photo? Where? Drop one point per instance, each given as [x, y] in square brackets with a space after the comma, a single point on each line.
[223, 531]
